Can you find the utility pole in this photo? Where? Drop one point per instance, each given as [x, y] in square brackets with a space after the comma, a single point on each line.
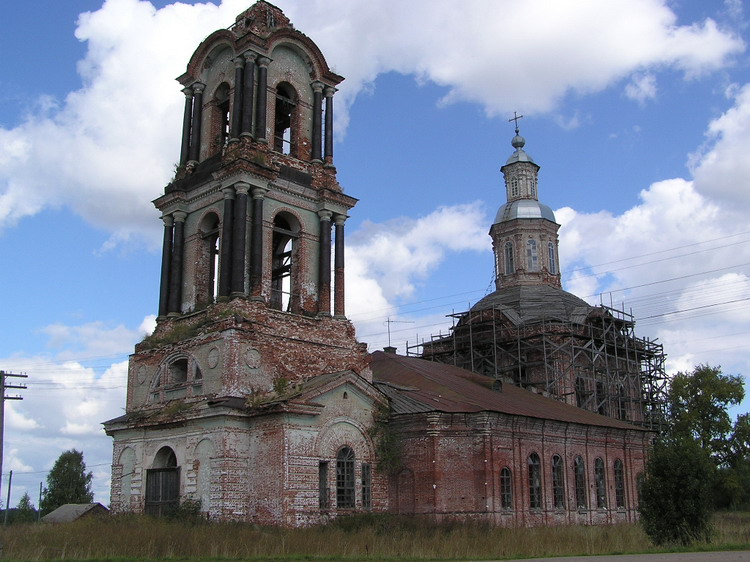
[3, 398]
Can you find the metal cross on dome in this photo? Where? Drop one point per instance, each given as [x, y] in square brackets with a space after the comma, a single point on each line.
[515, 118]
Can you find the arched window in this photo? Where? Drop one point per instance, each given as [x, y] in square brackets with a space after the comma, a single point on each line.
[510, 266]
[532, 187]
[220, 125]
[179, 376]
[535, 482]
[552, 260]
[579, 470]
[282, 263]
[506, 488]
[514, 192]
[558, 482]
[532, 255]
[345, 479]
[619, 484]
[600, 479]
[284, 119]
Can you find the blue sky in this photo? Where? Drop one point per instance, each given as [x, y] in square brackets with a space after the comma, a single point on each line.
[637, 111]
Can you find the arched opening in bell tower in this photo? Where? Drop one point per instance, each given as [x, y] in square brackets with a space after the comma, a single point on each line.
[221, 120]
[284, 119]
[207, 282]
[285, 235]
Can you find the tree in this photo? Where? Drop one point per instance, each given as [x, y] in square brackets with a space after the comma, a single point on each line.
[25, 511]
[675, 495]
[67, 482]
[698, 403]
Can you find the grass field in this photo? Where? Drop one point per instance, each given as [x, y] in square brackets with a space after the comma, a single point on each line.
[356, 538]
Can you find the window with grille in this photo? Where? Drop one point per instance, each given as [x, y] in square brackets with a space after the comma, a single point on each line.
[510, 266]
[532, 255]
[552, 260]
[558, 482]
[535, 482]
[601, 484]
[506, 488]
[345, 479]
[619, 484]
[366, 485]
[579, 471]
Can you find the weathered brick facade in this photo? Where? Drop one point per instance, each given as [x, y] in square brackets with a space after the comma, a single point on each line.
[253, 396]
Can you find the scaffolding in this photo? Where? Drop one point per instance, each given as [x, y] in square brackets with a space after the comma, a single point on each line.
[594, 361]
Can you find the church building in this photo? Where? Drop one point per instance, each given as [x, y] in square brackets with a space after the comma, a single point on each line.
[254, 399]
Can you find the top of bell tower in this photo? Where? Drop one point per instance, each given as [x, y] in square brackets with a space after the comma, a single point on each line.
[260, 19]
[524, 234]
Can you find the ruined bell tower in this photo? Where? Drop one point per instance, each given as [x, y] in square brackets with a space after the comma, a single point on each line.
[251, 301]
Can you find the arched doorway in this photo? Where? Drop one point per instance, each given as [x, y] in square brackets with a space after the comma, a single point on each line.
[163, 483]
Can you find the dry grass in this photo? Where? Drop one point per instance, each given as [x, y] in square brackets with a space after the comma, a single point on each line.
[358, 538]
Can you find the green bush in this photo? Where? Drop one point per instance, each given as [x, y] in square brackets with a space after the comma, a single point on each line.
[676, 498]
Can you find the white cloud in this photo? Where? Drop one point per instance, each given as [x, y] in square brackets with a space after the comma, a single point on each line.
[386, 262]
[721, 168]
[120, 130]
[147, 326]
[92, 339]
[642, 87]
[400, 252]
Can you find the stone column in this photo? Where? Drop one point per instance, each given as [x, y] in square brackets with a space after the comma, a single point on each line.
[185, 150]
[256, 244]
[317, 132]
[260, 109]
[236, 125]
[175, 273]
[238, 240]
[324, 264]
[166, 258]
[248, 93]
[195, 135]
[329, 91]
[338, 268]
[225, 249]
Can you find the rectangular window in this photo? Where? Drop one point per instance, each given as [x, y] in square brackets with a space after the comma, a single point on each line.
[366, 486]
[323, 502]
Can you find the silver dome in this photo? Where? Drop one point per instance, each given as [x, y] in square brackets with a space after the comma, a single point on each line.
[519, 155]
[524, 209]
